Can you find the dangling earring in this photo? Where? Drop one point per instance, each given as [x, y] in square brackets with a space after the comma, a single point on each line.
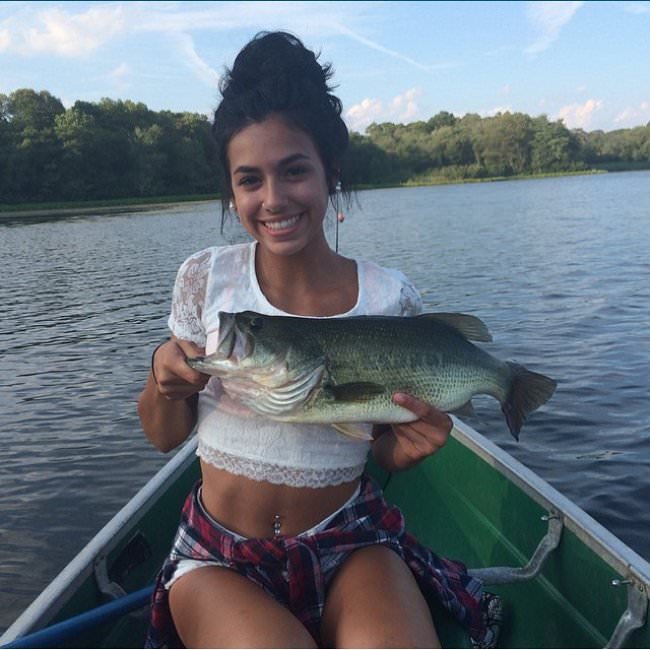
[340, 217]
[231, 206]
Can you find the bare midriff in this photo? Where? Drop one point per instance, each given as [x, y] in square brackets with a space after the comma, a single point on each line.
[259, 508]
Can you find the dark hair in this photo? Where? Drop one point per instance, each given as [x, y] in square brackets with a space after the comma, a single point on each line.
[276, 73]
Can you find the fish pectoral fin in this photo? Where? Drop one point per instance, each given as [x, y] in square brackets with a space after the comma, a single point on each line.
[356, 431]
[359, 391]
[468, 326]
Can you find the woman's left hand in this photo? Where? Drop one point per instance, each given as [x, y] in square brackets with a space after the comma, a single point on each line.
[406, 444]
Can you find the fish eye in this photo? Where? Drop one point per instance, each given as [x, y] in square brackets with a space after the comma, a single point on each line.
[256, 323]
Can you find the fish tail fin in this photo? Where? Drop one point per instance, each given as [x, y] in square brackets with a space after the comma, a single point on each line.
[528, 391]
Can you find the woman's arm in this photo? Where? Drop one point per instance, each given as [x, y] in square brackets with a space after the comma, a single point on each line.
[168, 404]
[400, 446]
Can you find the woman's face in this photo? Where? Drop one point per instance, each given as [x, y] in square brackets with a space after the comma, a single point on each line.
[280, 189]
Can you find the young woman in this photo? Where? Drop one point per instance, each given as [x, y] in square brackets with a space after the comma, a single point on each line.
[284, 542]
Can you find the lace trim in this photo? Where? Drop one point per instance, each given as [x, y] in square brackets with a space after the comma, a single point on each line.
[188, 298]
[257, 470]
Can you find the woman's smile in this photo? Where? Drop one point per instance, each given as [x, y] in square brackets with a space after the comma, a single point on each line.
[283, 225]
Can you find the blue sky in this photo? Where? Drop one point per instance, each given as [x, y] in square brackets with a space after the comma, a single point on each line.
[587, 63]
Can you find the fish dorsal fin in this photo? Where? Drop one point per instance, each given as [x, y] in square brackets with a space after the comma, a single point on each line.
[359, 391]
[470, 327]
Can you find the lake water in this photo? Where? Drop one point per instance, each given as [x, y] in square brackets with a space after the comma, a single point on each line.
[558, 268]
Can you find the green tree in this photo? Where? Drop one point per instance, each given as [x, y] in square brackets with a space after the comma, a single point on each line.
[33, 163]
[441, 119]
[503, 144]
[554, 148]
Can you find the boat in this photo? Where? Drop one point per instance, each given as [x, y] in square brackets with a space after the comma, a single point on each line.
[565, 581]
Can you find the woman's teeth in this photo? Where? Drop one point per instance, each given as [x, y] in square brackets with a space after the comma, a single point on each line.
[282, 225]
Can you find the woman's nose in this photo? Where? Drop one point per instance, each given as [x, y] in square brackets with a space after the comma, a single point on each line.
[275, 199]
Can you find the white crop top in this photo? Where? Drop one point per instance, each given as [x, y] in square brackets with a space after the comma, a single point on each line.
[230, 436]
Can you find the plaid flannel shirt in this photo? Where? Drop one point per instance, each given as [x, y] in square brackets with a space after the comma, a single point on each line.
[297, 570]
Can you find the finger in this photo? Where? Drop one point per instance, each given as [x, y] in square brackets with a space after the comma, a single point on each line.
[421, 433]
[423, 410]
[416, 443]
[190, 350]
[177, 391]
[171, 368]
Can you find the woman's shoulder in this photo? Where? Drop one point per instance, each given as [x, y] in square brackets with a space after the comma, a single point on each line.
[389, 288]
[374, 272]
[215, 256]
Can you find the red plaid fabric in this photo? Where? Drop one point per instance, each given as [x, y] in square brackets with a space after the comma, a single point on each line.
[297, 571]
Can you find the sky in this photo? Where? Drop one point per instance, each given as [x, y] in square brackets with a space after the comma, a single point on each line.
[586, 63]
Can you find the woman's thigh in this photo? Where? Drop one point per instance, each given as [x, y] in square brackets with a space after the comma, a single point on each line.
[214, 607]
[374, 601]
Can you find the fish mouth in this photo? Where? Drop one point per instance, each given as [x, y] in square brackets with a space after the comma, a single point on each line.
[285, 223]
[227, 335]
[235, 344]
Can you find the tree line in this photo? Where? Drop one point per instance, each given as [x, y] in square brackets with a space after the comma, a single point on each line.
[449, 148]
[116, 149]
[105, 150]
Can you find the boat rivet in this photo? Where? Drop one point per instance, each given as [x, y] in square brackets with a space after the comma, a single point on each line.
[618, 583]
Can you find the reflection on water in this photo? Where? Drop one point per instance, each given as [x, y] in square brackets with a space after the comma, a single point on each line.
[557, 268]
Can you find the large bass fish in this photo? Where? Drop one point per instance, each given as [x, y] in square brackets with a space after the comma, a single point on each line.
[342, 371]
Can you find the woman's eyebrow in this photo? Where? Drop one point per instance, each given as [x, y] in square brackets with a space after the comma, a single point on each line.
[246, 169]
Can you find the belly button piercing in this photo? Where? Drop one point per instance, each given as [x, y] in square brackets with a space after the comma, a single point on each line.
[277, 525]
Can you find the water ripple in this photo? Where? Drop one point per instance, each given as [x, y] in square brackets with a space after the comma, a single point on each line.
[557, 268]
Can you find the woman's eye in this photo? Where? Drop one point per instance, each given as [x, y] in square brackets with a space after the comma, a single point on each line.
[247, 181]
[294, 172]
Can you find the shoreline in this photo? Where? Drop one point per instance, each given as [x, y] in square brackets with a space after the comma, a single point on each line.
[118, 206]
[28, 213]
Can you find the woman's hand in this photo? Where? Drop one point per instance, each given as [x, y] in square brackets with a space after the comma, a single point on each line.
[168, 404]
[401, 446]
[174, 379]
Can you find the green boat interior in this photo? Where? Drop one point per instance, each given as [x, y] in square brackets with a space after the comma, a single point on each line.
[559, 588]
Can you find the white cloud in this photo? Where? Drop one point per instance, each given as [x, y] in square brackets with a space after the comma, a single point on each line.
[63, 32]
[322, 18]
[119, 77]
[549, 18]
[633, 116]
[405, 106]
[579, 116]
[491, 112]
[376, 46]
[402, 108]
[359, 116]
[54, 31]
[5, 39]
[199, 66]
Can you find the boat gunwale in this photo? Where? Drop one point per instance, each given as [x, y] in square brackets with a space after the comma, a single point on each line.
[594, 535]
[45, 606]
[613, 551]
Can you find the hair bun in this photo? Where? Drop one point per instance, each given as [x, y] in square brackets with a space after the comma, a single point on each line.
[275, 57]
[276, 73]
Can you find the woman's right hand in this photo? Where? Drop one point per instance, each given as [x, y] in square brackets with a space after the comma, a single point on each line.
[174, 379]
